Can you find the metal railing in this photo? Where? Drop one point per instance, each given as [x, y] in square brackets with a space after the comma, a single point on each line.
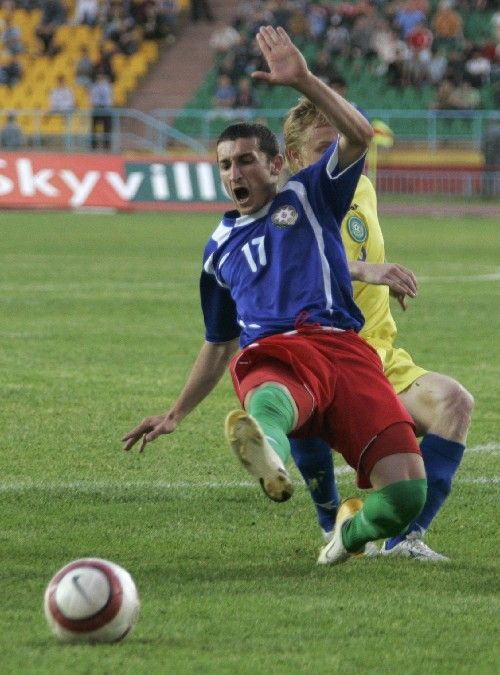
[429, 127]
[195, 131]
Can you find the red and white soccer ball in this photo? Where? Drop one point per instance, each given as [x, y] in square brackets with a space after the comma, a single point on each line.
[91, 600]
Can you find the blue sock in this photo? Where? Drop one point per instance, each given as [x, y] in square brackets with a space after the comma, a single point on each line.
[314, 460]
[441, 460]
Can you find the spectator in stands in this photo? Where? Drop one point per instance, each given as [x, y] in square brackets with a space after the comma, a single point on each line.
[398, 70]
[11, 71]
[155, 26]
[450, 97]
[386, 43]
[62, 98]
[362, 34]
[477, 68]
[200, 9]
[224, 38]
[119, 27]
[436, 65]
[137, 10]
[338, 38]
[455, 66]
[86, 12]
[466, 97]
[323, 66]
[84, 68]
[419, 41]
[104, 63]
[244, 94]
[339, 84]
[447, 25]
[298, 26]
[101, 98]
[11, 136]
[53, 16]
[11, 36]
[317, 18]
[420, 37]
[495, 27]
[225, 93]
[228, 67]
[169, 12]
[407, 17]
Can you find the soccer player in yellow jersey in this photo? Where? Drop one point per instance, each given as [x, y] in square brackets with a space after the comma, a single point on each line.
[441, 408]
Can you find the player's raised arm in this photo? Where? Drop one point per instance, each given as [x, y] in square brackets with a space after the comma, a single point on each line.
[206, 372]
[288, 67]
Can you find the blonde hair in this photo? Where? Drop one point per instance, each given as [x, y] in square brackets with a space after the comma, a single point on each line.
[301, 117]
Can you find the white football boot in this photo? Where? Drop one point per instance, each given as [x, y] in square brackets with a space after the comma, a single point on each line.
[257, 456]
[371, 548]
[335, 552]
[413, 547]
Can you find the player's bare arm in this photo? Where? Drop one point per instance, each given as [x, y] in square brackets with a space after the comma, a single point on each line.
[401, 281]
[208, 368]
[288, 67]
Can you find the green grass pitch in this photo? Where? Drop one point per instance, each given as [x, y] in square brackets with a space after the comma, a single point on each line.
[100, 323]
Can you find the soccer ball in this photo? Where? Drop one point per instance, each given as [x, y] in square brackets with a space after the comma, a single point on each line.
[91, 600]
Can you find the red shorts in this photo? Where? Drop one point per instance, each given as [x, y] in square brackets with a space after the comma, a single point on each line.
[337, 382]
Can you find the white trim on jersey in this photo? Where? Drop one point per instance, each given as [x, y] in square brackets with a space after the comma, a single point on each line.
[241, 221]
[333, 161]
[301, 192]
[220, 236]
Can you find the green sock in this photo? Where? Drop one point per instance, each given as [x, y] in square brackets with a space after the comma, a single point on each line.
[385, 513]
[273, 409]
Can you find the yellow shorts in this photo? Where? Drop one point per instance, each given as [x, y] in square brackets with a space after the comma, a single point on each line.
[398, 366]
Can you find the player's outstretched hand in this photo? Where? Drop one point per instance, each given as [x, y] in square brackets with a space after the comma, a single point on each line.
[401, 281]
[149, 429]
[286, 64]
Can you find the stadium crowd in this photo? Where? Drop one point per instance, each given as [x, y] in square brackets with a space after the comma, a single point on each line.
[401, 43]
[111, 31]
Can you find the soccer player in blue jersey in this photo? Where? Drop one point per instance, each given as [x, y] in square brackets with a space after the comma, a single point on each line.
[276, 283]
[441, 408]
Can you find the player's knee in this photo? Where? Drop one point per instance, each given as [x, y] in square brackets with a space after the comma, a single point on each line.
[405, 500]
[266, 399]
[457, 403]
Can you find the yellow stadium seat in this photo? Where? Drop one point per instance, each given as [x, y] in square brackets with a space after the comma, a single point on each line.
[53, 124]
[82, 98]
[119, 95]
[137, 64]
[27, 124]
[149, 49]
[118, 62]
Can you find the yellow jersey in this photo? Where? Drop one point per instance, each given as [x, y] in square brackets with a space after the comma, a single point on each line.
[363, 240]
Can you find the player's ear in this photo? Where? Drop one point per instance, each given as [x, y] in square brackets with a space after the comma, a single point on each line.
[277, 164]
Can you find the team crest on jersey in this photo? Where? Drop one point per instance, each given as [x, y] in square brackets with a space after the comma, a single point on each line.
[285, 216]
[357, 229]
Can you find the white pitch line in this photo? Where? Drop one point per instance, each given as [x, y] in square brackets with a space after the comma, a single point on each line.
[493, 276]
[93, 487]
[486, 448]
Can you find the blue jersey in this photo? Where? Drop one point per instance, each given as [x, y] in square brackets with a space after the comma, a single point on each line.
[261, 271]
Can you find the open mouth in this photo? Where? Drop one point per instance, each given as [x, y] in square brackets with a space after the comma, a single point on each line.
[241, 194]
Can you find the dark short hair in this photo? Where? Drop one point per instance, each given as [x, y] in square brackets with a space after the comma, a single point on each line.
[268, 143]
